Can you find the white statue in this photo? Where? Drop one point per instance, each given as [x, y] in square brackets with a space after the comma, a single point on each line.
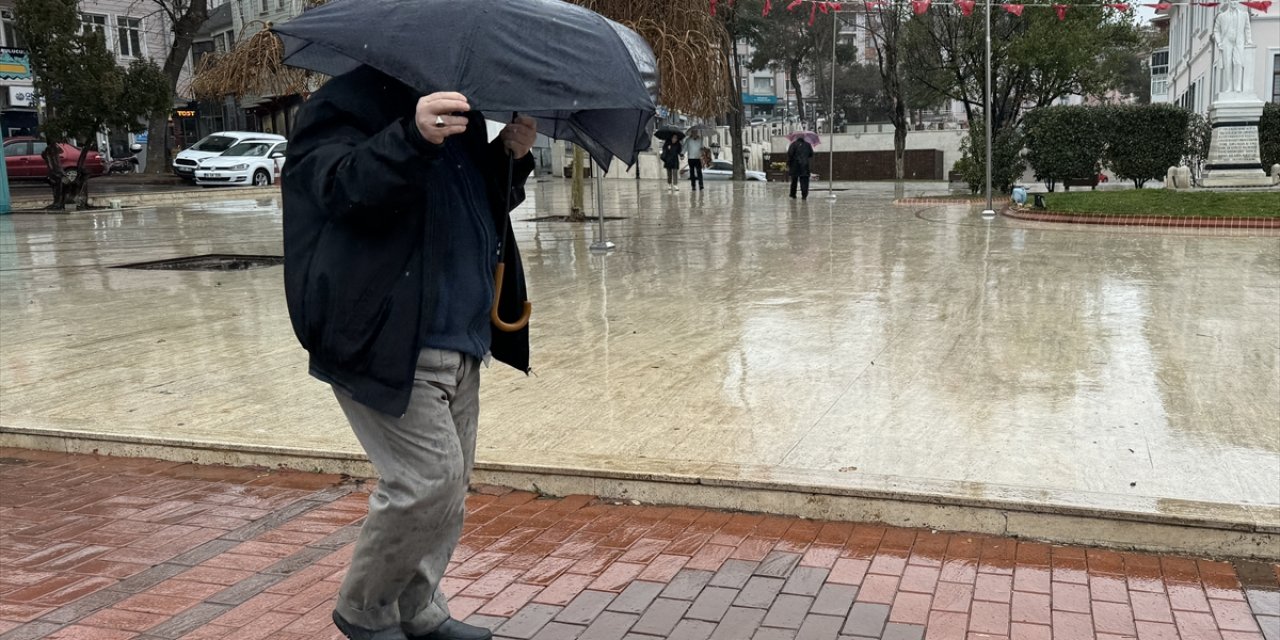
[1231, 34]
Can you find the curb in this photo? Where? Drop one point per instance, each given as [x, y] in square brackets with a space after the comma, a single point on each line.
[29, 205]
[1234, 531]
[1146, 221]
[937, 201]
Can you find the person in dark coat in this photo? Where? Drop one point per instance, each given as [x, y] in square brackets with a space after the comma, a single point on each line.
[799, 156]
[671, 151]
[393, 203]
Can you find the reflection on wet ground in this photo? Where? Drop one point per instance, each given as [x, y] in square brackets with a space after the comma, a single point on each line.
[734, 332]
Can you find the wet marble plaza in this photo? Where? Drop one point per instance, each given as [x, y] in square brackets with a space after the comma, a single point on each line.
[734, 333]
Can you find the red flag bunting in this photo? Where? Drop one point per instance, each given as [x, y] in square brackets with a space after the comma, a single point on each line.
[768, 6]
[713, 7]
[1015, 9]
[1159, 6]
[966, 6]
[813, 14]
[794, 4]
[920, 7]
[1118, 6]
[822, 6]
[1061, 10]
[835, 6]
[1260, 5]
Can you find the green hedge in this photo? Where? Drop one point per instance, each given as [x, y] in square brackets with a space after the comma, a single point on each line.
[1143, 141]
[1006, 160]
[1269, 135]
[1064, 143]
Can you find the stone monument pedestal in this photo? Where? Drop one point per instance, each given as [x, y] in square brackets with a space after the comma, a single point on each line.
[1234, 159]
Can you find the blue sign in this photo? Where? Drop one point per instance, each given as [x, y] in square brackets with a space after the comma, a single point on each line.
[140, 138]
[766, 100]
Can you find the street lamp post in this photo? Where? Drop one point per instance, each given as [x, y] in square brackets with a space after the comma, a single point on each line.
[831, 113]
[990, 211]
[601, 245]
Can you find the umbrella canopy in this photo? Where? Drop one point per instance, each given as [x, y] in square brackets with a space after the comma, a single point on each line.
[586, 79]
[666, 133]
[809, 136]
[703, 129]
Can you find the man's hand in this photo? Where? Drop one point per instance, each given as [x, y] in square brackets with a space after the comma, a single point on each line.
[434, 116]
[519, 136]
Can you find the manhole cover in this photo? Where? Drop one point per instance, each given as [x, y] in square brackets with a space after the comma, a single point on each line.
[210, 262]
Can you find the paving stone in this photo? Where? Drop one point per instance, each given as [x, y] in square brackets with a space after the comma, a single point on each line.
[585, 608]
[661, 617]
[738, 623]
[866, 620]
[788, 611]
[489, 622]
[560, 631]
[1270, 627]
[759, 592]
[767, 633]
[817, 627]
[528, 621]
[609, 626]
[834, 600]
[806, 581]
[636, 597]
[687, 584]
[778, 564]
[901, 631]
[734, 574]
[712, 604]
[692, 630]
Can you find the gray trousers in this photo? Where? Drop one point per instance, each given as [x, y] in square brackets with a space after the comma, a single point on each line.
[415, 516]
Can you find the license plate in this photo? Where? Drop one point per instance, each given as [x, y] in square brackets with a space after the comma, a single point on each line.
[213, 175]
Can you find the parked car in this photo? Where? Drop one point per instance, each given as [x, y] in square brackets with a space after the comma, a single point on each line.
[722, 170]
[255, 162]
[24, 160]
[184, 166]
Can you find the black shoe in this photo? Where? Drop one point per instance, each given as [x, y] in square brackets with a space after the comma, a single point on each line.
[360, 633]
[456, 630]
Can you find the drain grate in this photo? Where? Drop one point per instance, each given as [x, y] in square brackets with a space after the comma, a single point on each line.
[209, 262]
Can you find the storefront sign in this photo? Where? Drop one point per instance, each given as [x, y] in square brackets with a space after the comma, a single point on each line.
[14, 64]
[185, 113]
[22, 97]
[765, 100]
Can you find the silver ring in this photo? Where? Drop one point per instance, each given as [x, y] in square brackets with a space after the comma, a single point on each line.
[440, 121]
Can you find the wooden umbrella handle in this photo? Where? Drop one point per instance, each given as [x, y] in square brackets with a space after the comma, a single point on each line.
[507, 327]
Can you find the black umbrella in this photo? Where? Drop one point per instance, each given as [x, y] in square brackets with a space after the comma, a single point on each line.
[586, 79]
[668, 132]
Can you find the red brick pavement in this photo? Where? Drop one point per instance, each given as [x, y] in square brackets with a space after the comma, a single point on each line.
[96, 548]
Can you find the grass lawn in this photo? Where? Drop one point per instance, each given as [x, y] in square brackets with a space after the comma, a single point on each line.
[1162, 202]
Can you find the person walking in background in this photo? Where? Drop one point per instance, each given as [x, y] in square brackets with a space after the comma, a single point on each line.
[671, 151]
[693, 149]
[799, 155]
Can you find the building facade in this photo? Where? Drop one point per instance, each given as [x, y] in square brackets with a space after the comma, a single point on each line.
[1184, 72]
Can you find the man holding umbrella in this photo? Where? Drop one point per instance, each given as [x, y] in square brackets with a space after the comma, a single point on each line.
[401, 273]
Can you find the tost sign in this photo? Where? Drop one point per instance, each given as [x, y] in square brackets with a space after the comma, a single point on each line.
[185, 113]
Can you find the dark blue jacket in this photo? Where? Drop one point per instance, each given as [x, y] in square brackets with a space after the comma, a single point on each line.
[380, 225]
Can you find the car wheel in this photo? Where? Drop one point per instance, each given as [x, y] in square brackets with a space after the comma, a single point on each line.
[261, 178]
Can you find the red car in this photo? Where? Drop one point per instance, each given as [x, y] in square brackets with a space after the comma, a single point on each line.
[23, 159]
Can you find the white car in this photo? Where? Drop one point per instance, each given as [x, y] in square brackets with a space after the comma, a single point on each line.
[250, 162]
[722, 170]
[184, 165]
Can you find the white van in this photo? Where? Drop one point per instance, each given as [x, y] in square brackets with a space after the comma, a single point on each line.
[184, 166]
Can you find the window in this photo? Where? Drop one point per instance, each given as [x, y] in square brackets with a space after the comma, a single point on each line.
[11, 36]
[280, 5]
[90, 22]
[130, 30]
[762, 86]
[17, 149]
[265, 5]
[1275, 79]
[38, 147]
